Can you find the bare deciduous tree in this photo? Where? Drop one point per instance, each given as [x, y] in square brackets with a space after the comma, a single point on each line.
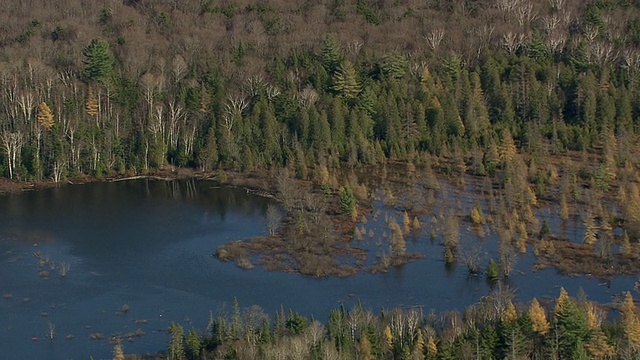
[273, 218]
[434, 38]
[12, 145]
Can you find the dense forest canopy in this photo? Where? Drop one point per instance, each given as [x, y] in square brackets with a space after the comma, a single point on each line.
[128, 86]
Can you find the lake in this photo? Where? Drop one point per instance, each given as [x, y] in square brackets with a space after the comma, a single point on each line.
[138, 255]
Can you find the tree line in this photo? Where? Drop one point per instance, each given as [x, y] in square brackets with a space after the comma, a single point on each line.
[69, 111]
[563, 328]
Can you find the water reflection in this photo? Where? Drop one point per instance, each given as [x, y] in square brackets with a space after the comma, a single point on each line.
[148, 244]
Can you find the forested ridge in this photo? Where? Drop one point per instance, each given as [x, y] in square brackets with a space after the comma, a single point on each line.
[125, 87]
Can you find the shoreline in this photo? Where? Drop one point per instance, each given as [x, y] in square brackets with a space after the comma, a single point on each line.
[288, 249]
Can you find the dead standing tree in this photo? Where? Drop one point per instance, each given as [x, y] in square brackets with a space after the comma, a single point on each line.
[11, 143]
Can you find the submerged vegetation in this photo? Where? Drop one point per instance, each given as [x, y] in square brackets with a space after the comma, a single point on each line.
[537, 110]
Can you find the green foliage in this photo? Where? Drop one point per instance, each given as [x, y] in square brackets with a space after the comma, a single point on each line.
[330, 55]
[61, 34]
[347, 200]
[345, 81]
[369, 14]
[29, 32]
[296, 323]
[229, 9]
[176, 344]
[98, 62]
[492, 271]
[194, 346]
[394, 65]
[545, 230]
[571, 328]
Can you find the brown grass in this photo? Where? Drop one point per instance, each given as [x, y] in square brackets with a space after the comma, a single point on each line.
[573, 258]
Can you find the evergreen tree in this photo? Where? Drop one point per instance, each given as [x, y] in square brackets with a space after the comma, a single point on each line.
[176, 344]
[338, 125]
[365, 349]
[347, 201]
[194, 346]
[330, 55]
[570, 326]
[345, 81]
[99, 61]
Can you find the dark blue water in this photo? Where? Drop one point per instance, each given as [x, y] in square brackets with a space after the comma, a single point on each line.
[147, 244]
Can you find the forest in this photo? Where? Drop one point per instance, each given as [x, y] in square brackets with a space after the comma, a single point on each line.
[535, 100]
[128, 87]
[494, 328]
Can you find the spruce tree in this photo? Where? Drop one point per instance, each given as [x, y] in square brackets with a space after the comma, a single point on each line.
[99, 61]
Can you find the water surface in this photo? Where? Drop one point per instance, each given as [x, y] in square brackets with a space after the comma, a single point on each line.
[147, 244]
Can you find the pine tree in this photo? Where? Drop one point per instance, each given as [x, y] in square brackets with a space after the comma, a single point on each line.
[345, 81]
[394, 65]
[571, 326]
[208, 154]
[492, 271]
[99, 61]
[347, 201]
[194, 346]
[330, 55]
[176, 344]
[45, 117]
[338, 127]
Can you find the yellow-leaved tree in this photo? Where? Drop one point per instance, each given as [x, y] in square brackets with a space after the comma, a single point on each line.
[630, 321]
[510, 314]
[432, 348]
[560, 302]
[45, 116]
[388, 338]
[538, 318]
[91, 105]
[418, 348]
[118, 353]
[365, 348]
